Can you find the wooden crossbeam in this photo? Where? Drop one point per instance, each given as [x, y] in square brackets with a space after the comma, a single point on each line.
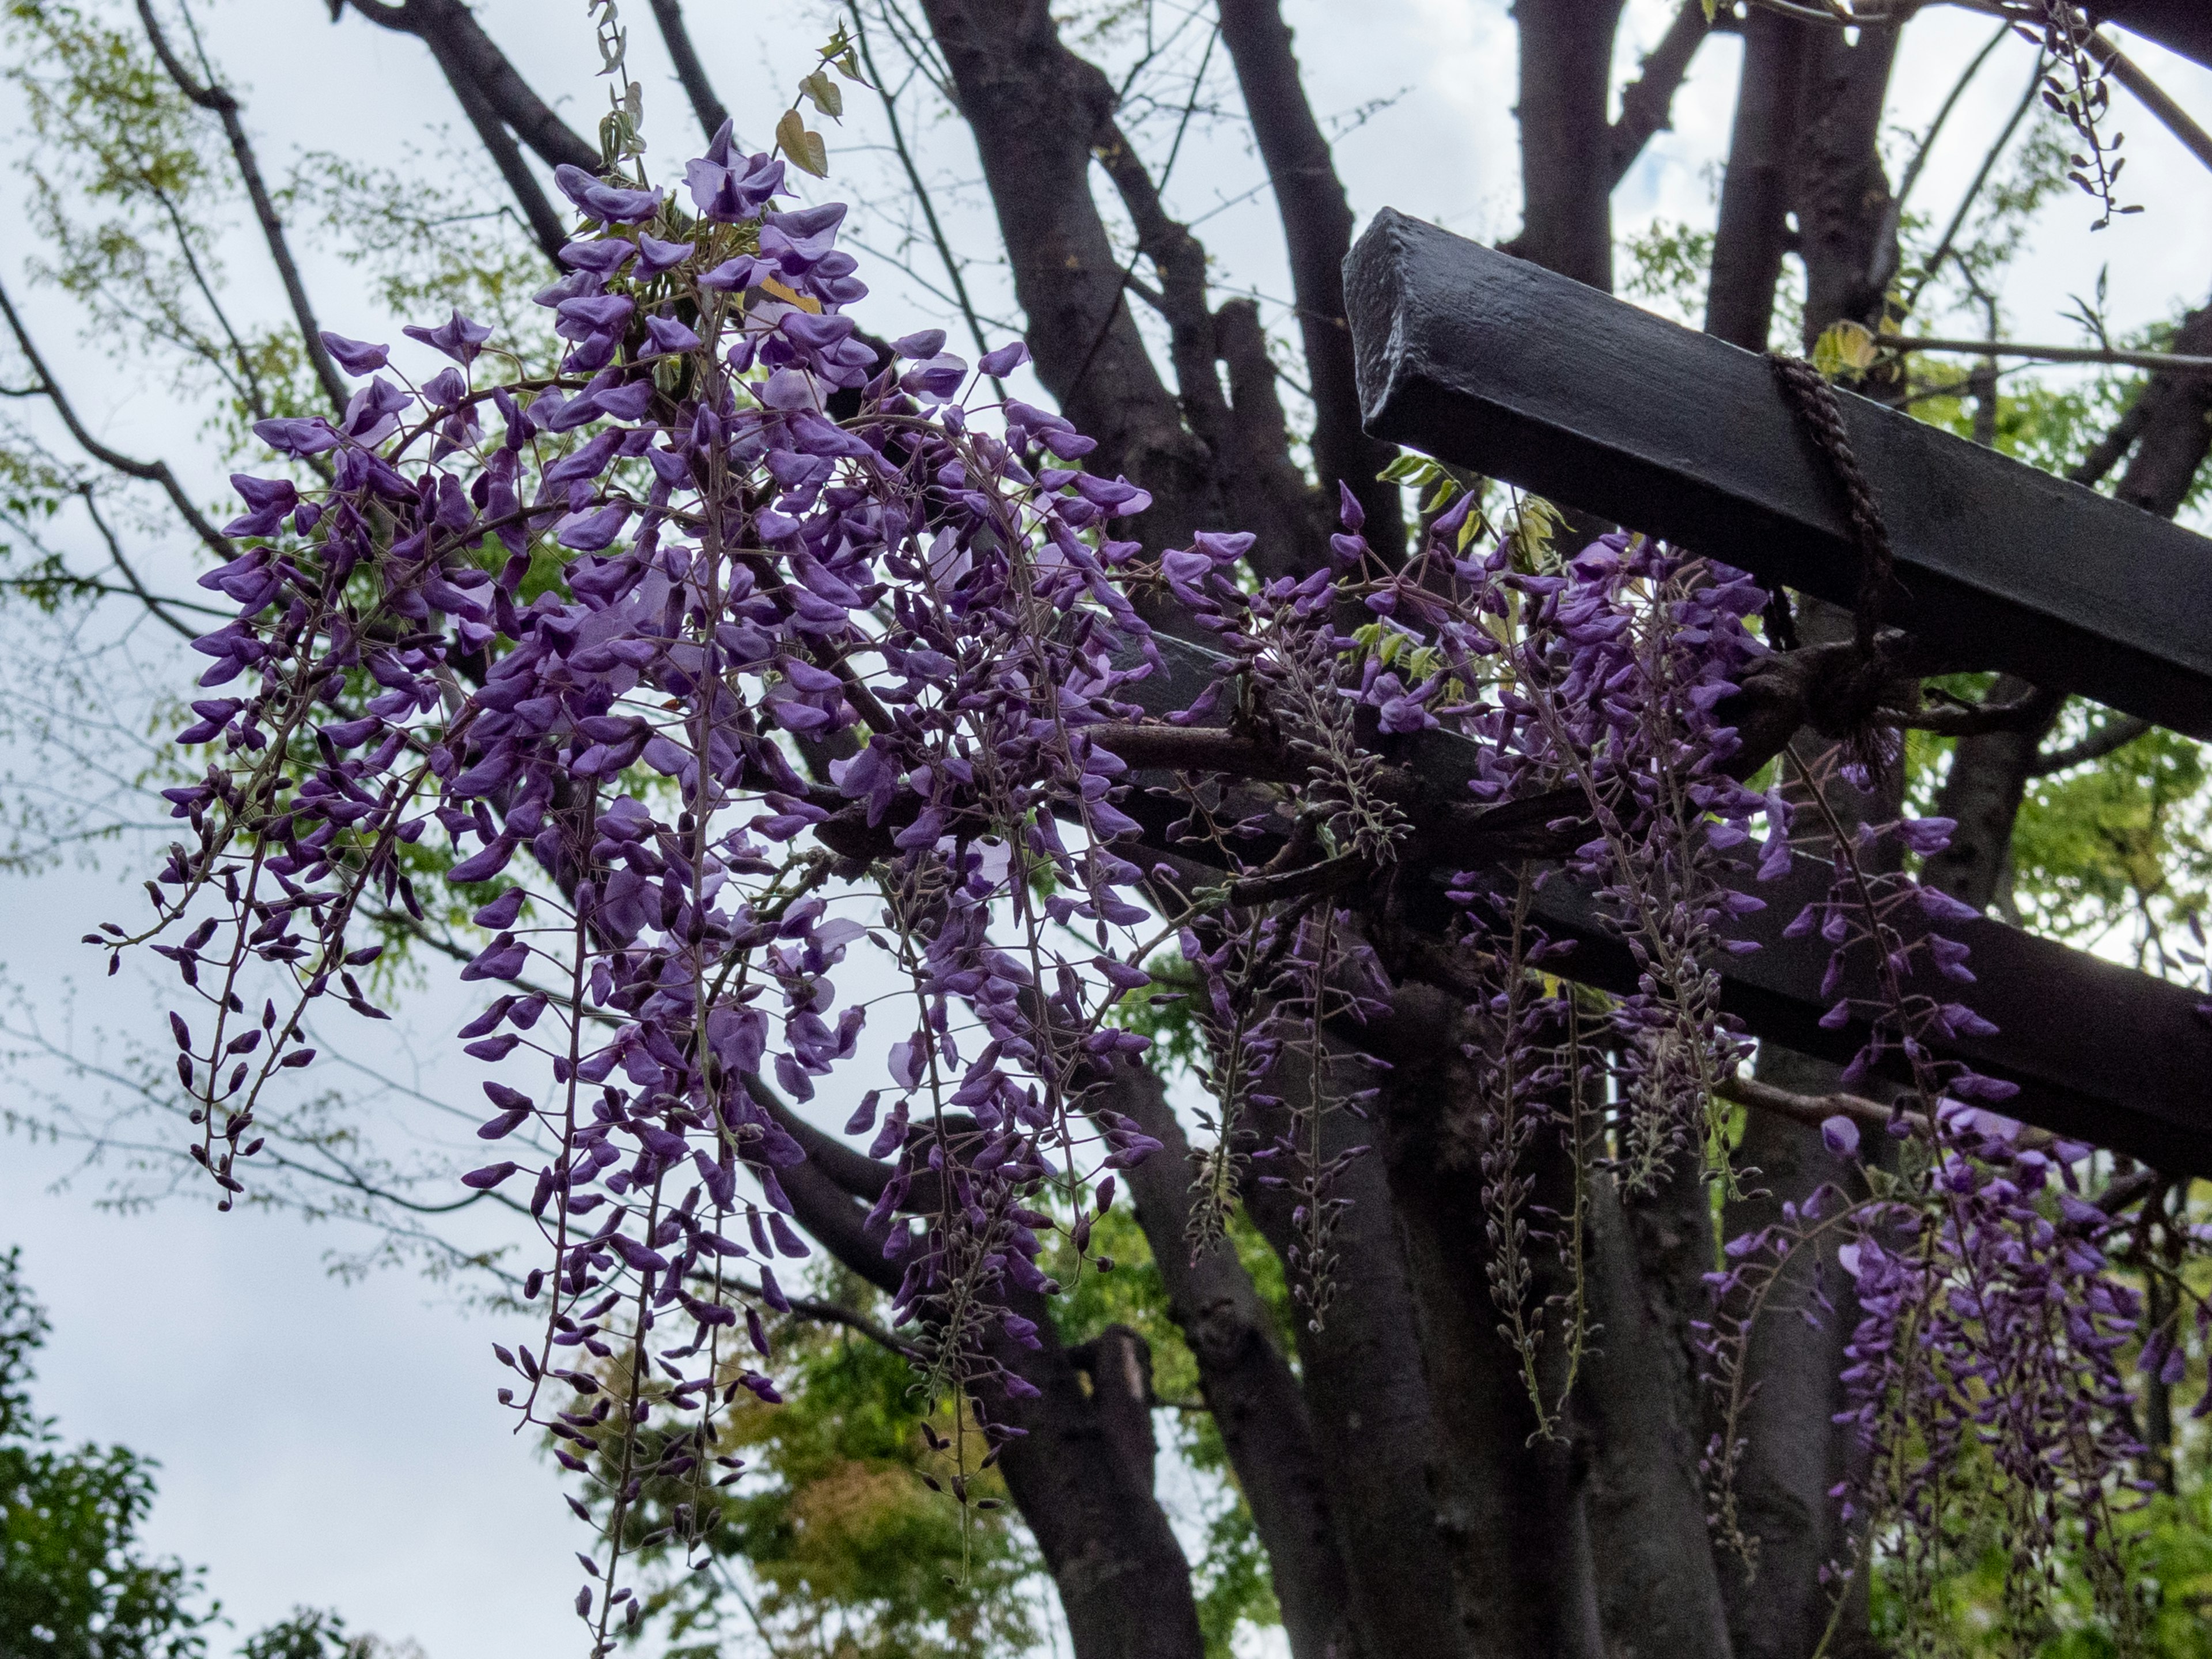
[1492, 364]
[2100, 1052]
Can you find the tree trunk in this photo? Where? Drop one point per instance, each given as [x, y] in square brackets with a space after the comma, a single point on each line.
[1317, 223]
[1255, 1400]
[1567, 143]
[1509, 1503]
[1753, 232]
[1838, 190]
[1638, 1411]
[1793, 1454]
[1368, 1404]
[1075, 1473]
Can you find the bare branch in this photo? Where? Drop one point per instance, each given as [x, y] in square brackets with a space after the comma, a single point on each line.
[1647, 103]
[2153, 97]
[688, 70]
[1974, 189]
[471, 59]
[150, 471]
[952, 269]
[156, 606]
[1317, 220]
[2113, 735]
[226, 108]
[2166, 362]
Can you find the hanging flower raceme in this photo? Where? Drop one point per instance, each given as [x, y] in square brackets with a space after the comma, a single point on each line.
[678, 652]
[742, 660]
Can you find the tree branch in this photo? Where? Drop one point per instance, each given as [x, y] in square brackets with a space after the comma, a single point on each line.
[156, 606]
[469, 59]
[669, 14]
[914, 182]
[2166, 362]
[1748, 241]
[1316, 221]
[1647, 102]
[1566, 145]
[1035, 110]
[151, 471]
[220, 100]
[2152, 96]
[494, 97]
[2115, 734]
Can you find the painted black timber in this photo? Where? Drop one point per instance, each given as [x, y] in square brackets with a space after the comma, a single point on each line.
[2181, 25]
[1493, 363]
[2100, 1052]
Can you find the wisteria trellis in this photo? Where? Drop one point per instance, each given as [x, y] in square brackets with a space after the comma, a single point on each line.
[823, 670]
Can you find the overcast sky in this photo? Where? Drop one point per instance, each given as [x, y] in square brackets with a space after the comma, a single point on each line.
[336, 1443]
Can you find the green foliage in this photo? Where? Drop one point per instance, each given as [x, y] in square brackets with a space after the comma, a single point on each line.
[74, 1583]
[131, 189]
[309, 1633]
[2118, 840]
[2170, 1543]
[1231, 1579]
[1665, 264]
[832, 1543]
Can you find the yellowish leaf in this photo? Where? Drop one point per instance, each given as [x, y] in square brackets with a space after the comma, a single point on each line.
[776, 290]
[804, 148]
[1846, 348]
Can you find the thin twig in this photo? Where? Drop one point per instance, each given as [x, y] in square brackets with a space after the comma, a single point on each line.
[154, 604]
[1981, 177]
[225, 106]
[2115, 734]
[2166, 362]
[921, 194]
[151, 471]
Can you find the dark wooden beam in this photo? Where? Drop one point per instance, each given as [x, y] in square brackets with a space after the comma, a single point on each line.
[1504, 366]
[2100, 1052]
[2179, 26]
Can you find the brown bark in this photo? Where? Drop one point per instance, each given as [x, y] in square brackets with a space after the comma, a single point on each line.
[1793, 1455]
[1566, 144]
[705, 104]
[1637, 1416]
[1037, 111]
[1807, 121]
[1838, 190]
[1752, 231]
[1255, 1401]
[498, 103]
[1368, 1400]
[1647, 103]
[1075, 1473]
[1509, 1503]
[1316, 222]
[469, 57]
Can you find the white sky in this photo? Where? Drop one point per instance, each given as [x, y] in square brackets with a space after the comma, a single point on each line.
[337, 1444]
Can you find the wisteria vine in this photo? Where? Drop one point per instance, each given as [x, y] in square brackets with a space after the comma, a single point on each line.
[746, 647]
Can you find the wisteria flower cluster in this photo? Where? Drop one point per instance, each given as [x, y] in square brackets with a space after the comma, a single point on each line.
[1985, 1369]
[747, 665]
[672, 650]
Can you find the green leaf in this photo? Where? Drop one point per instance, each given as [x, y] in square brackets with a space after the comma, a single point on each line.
[804, 149]
[1415, 469]
[1846, 348]
[827, 96]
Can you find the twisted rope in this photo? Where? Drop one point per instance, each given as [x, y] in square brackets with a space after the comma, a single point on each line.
[1813, 401]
